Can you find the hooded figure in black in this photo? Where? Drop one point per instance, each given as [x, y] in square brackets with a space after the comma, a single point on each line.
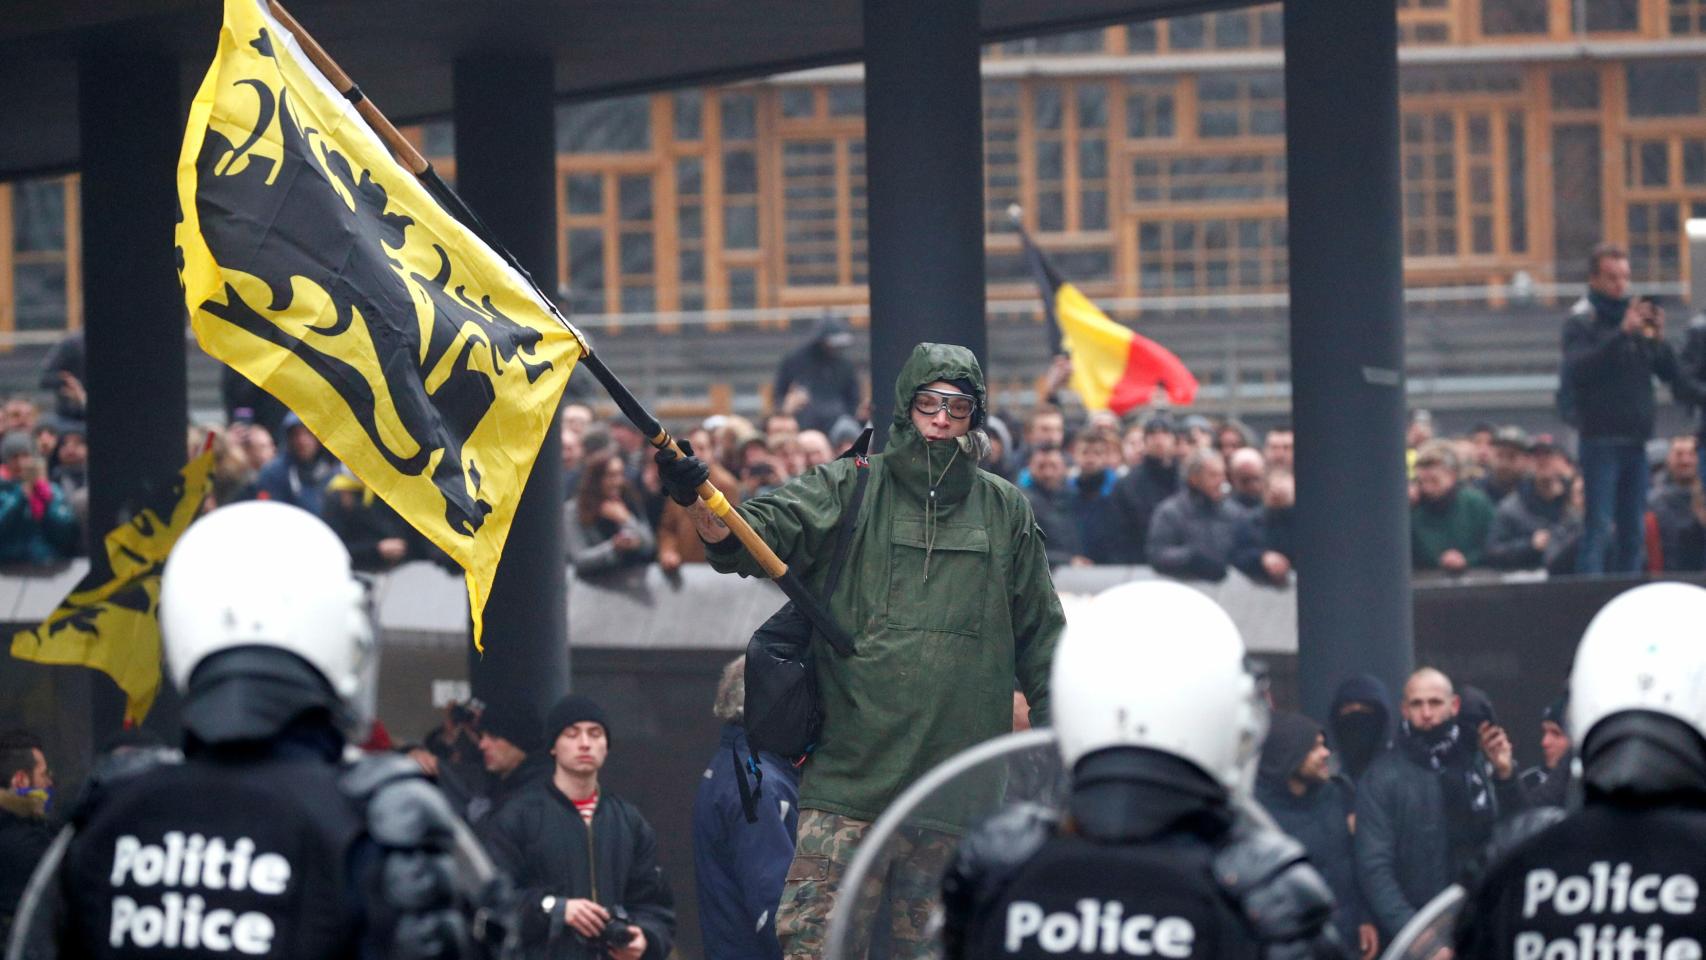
[821, 367]
[1594, 886]
[1361, 724]
[1295, 784]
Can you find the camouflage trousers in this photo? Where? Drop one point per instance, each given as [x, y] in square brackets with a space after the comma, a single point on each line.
[892, 914]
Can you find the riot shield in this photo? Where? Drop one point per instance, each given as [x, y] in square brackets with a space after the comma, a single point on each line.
[890, 903]
[1430, 933]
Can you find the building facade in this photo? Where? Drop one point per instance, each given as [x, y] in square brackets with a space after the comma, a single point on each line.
[1149, 158]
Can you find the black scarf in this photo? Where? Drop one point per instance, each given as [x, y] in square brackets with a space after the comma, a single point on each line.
[1468, 795]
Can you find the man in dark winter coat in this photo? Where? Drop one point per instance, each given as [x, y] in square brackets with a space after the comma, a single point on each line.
[1677, 505]
[1192, 532]
[299, 473]
[743, 835]
[1359, 727]
[582, 858]
[1614, 346]
[1425, 808]
[1548, 784]
[1151, 480]
[1266, 539]
[513, 749]
[823, 383]
[1051, 503]
[1533, 527]
[24, 829]
[1295, 784]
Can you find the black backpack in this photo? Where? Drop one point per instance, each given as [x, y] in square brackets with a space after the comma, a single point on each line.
[784, 712]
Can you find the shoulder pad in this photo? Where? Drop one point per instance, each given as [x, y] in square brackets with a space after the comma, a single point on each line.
[118, 766]
[987, 858]
[1510, 832]
[1006, 841]
[1279, 894]
[364, 777]
[403, 809]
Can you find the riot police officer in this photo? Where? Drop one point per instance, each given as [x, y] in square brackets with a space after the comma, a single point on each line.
[1620, 878]
[1159, 852]
[262, 841]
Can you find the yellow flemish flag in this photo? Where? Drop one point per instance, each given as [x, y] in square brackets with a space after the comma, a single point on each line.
[325, 273]
[110, 621]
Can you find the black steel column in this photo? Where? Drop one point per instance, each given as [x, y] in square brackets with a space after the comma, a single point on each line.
[1347, 344]
[505, 169]
[924, 167]
[130, 124]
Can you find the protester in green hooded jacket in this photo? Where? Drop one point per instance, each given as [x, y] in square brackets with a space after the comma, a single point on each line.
[946, 592]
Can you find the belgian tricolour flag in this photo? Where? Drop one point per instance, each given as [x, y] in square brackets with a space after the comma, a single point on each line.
[324, 271]
[110, 621]
[1113, 367]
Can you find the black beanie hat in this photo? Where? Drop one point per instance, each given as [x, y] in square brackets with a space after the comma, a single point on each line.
[1558, 711]
[516, 722]
[571, 710]
[1290, 738]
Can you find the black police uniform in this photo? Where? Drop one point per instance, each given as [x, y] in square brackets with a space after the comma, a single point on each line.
[218, 859]
[1609, 883]
[1620, 879]
[261, 843]
[1141, 871]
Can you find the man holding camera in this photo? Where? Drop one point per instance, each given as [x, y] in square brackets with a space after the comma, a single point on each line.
[1613, 347]
[584, 861]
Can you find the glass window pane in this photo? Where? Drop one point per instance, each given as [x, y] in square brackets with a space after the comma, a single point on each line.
[740, 227]
[1092, 159]
[689, 114]
[586, 193]
[1141, 37]
[1046, 108]
[586, 270]
[740, 116]
[1092, 107]
[620, 125]
[740, 172]
[636, 253]
[1654, 164]
[1575, 90]
[1187, 33]
[1232, 29]
[1093, 210]
[1663, 89]
[38, 215]
[1051, 211]
[1050, 163]
[635, 198]
[689, 176]
[690, 223]
[743, 288]
[639, 299]
[39, 292]
[798, 102]
[847, 100]
[691, 266]
[1694, 162]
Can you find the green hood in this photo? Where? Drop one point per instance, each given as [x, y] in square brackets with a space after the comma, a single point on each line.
[931, 362]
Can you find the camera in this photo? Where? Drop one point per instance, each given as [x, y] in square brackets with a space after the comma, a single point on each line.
[615, 934]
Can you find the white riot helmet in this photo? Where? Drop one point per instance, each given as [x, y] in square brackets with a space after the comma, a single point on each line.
[1159, 665]
[266, 576]
[1642, 651]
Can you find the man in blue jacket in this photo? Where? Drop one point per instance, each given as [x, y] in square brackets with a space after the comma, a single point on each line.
[743, 835]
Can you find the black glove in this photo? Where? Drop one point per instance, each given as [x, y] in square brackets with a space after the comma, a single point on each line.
[682, 475]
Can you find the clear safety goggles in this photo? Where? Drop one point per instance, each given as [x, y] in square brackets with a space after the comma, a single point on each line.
[931, 402]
